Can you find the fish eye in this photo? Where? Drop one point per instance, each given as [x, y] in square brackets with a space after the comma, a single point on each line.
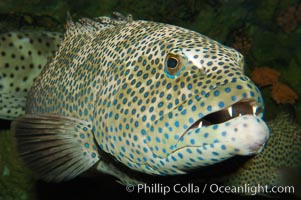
[172, 64]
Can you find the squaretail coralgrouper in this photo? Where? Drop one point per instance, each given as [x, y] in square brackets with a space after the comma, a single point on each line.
[157, 98]
[23, 54]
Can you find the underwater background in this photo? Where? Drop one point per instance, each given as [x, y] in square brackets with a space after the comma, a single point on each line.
[266, 32]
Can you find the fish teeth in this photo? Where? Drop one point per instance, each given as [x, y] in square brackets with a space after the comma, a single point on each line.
[254, 109]
[230, 111]
[200, 124]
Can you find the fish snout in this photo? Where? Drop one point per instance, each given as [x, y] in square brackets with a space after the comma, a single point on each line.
[252, 137]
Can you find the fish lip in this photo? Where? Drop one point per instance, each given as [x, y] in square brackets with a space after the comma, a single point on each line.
[251, 106]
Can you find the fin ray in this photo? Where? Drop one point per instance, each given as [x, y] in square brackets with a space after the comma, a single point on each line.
[56, 147]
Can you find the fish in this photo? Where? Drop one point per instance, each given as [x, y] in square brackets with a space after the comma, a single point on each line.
[23, 54]
[149, 97]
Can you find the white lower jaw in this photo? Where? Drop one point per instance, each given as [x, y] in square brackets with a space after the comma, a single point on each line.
[252, 134]
[247, 134]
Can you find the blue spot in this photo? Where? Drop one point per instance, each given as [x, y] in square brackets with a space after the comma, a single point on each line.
[143, 132]
[233, 98]
[206, 135]
[188, 150]
[180, 155]
[259, 100]
[215, 153]
[169, 105]
[166, 136]
[239, 87]
[223, 147]
[192, 141]
[216, 93]
[86, 145]
[189, 86]
[166, 124]
[82, 136]
[145, 150]
[200, 158]
[173, 158]
[221, 104]
[215, 127]
[209, 108]
[224, 133]
[180, 107]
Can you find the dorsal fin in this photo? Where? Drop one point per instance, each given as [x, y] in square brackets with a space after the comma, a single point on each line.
[91, 25]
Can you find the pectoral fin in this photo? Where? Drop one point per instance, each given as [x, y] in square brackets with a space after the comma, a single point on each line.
[56, 147]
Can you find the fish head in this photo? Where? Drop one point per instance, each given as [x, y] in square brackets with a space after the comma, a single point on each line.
[183, 102]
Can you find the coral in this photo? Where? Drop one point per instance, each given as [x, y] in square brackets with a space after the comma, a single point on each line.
[289, 18]
[281, 93]
[264, 76]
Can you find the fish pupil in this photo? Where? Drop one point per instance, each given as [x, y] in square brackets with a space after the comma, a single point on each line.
[172, 63]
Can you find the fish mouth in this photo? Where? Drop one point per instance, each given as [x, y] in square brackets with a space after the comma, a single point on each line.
[243, 107]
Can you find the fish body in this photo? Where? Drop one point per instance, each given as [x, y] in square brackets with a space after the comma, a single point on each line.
[22, 57]
[157, 98]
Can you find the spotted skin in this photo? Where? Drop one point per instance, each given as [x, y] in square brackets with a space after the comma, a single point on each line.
[141, 85]
[22, 56]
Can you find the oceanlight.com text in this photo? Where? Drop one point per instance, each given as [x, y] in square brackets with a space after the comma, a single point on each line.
[191, 188]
